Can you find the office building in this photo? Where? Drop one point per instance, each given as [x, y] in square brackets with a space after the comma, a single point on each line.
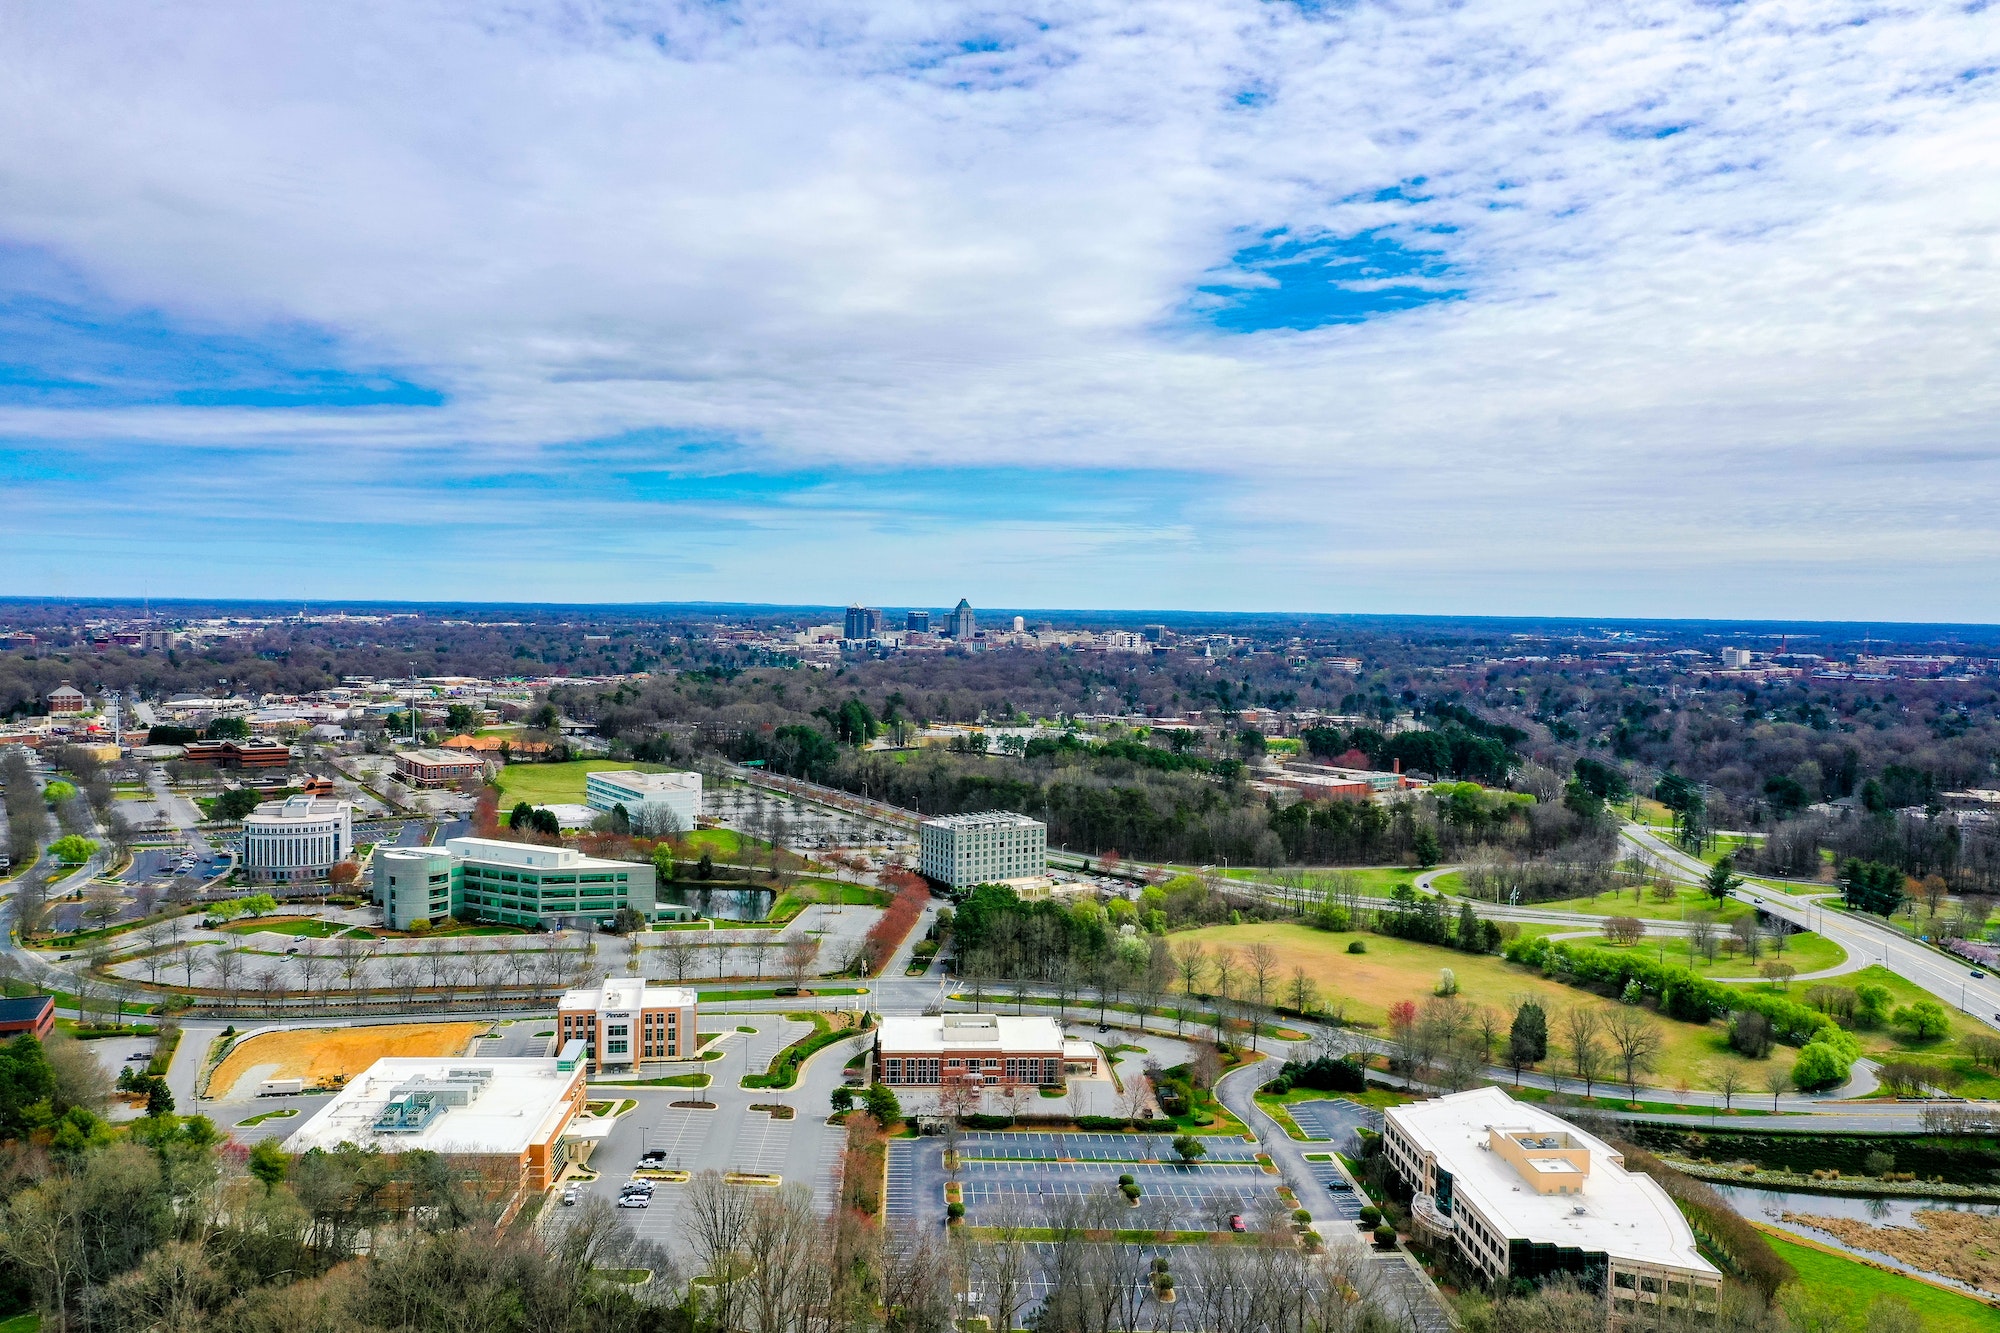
[503, 1121]
[438, 768]
[961, 626]
[30, 1016]
[981, 1048]
[659, 802]
[863, 622]
[1524, 1194]
[917, 622]
[513, 883]
[66, 698]
[238, 754]
[298, 838]
[625, 1022]
[960, 851]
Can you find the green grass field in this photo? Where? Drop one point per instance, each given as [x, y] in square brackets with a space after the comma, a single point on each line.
[555, 784]
[1394, 969]
[1807, 953]
[1858, 1284]
[1624, 902]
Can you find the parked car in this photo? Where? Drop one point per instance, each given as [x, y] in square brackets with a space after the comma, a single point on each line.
[1236, 1222]
[569, 1197]
[634, 1201]
[653, 1157]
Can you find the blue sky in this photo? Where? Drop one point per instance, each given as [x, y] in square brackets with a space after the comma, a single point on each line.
[1539, 306]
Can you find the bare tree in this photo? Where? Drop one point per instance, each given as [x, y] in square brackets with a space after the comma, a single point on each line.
[800, 953]
[714, 1215]
[1729, 1081]
[226, 965]
[681, 952]
[1637, 1039]
[1261, 967]
[1582, 1031]
[1225, 988]
[1191, 962]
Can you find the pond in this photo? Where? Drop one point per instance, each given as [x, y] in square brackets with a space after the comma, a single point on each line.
[746, 904]
[1769, 1206]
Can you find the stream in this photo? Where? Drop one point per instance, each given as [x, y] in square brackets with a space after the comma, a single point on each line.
[1769, 1206]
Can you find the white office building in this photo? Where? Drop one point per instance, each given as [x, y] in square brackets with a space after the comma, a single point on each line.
[298, 838]
[659, 802]
[1524, 1194]
[960, 851]
[514, 883]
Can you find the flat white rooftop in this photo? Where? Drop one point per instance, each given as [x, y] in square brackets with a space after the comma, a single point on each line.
[632, 780]
[987, 819]
[1623, 1213]
[959, 1032]
[620, 993]
[519, 1102]
[492, 851]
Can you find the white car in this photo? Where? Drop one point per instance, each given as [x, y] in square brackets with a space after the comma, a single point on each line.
[569, 1197]
[635, 1201]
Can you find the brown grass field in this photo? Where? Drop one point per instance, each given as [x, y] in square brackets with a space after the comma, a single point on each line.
[324, 1055]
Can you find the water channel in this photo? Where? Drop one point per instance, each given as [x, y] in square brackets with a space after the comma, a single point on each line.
[1769, 1206]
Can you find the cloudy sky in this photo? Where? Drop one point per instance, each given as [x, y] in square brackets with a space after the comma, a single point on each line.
[1605, 307]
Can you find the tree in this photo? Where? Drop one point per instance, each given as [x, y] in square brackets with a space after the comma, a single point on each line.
[1637, 1039]
[1581, 1030]
[1527, 1039]
[1191, 962]
[1722, 880]
[1924, 1020]
[73, 849]
[1780, 974]
[882, 1104]
[1303, 993]
[1729, 1082]
[798, 957]
[1189, 1149]
[1262, 964]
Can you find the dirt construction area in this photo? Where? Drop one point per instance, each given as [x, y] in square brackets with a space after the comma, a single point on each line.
[325, 1057]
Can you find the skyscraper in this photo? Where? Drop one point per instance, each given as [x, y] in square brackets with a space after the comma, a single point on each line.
[917, 622]
[962, 627]
[863, 622]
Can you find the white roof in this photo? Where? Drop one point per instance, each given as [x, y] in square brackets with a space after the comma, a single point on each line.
[298, 808]
[627, 993]
[1625, 1214]
[1000, 1032]
[986, 819]
[522, 1102]
[492, 851]
[632, 780]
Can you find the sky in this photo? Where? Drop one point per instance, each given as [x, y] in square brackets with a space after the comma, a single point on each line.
[1603, 307]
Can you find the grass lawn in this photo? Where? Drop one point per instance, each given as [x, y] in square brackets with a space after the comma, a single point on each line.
[1623, 902]
[1373, 881]
[1808, 953]
[555, 784]
[1394, 969]
[303, 928]
[1859, 1283]
[722, 843]
[31, 1322]
[1888, 1044]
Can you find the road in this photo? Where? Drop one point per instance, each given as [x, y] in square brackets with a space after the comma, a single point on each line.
[1949, 980]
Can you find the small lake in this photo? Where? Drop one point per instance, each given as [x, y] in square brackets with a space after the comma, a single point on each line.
[746, 904]
[1770, 1206]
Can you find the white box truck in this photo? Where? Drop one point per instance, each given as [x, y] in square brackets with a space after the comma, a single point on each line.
[281, 1087]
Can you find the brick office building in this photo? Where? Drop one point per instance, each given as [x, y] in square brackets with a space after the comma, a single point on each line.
[625, 1022]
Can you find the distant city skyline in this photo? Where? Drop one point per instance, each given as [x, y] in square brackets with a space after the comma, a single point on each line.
[1539, 309]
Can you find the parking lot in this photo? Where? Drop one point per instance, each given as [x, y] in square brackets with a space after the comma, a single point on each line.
[1335, 1121]
[1097, 1147]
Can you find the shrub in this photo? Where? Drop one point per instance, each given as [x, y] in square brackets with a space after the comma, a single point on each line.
[1447, 981]
[954, 1211]
[1189, 1148]
[1385, 1235]
[1302, 1217]
[1370, 1215]
[72, 848]
[1102, 1124]
[1326, 1074]
[1126, 1178]
[1878, 1163]
[1750, 1033]
[1357, 946]
[1130, 1191]
[988, 1122]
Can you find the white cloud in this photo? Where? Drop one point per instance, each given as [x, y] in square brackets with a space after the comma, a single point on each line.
[1759, 349]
